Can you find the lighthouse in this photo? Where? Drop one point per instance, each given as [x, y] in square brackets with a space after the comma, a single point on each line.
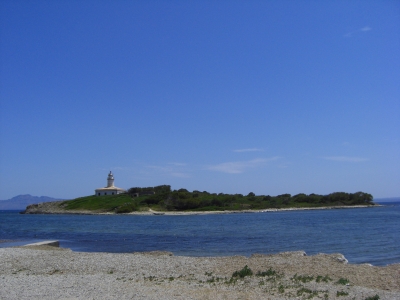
[110, 180]
[110, 189]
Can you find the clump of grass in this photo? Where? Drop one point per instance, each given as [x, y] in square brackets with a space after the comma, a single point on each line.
[269, 272]
[323, 278]
[214, 279]
[231, 281]
[304, 290]
[151, 278]
[376, 297]
[281, 289]
[302, 278]
[343, 281]
[246, 271]
[171, 278]
[341, 293]
[211, 280]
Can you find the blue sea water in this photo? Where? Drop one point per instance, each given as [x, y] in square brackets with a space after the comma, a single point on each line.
[363, 235]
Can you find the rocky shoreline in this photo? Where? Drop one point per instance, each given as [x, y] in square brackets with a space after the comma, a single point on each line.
[54, 273]
[57, 207]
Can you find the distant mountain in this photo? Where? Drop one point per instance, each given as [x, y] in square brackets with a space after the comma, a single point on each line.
[22, 201]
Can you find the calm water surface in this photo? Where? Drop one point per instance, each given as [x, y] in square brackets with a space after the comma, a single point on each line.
[368, 235]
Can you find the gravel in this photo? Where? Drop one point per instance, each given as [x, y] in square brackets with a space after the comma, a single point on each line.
[55, 273]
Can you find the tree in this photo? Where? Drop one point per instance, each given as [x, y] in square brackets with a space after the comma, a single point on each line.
[162, 189]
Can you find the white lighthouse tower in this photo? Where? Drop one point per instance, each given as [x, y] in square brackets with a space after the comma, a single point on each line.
[110, 180]
[110, 189]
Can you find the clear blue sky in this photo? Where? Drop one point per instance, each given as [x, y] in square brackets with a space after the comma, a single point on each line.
[268, 97]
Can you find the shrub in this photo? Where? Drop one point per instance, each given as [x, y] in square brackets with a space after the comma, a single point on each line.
[269, 272]
[376, 297]
[303, 290]
[302, 278]
[343, 281]
[324, 279]
[246, 271]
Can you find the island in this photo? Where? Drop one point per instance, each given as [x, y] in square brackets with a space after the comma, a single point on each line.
[163, 200]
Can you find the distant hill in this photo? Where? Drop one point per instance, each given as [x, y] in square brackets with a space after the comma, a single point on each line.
[22, 201]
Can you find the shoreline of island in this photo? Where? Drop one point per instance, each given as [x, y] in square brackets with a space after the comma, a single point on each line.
[54, 208]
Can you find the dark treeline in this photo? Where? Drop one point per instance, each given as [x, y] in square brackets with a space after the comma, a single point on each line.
[163, 197]
[161, 189]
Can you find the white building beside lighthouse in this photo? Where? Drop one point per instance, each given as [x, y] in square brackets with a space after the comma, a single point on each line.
[110, 189]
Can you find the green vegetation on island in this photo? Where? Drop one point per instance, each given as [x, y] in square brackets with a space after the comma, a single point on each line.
[162, 198]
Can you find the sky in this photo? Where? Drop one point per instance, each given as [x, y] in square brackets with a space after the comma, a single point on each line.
[269, 97]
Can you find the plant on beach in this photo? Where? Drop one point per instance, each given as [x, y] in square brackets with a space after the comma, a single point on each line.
[302, 278]
[268, 273]
[246, 271]
[341, 293]
[151, 278]
[343, 281]
[211, 280]
[376, 297]
[305, 290]
[323, 278]
[281, 289]
[231, 281]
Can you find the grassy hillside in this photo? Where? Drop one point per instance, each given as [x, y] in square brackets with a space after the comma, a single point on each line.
[165, 199]
[101, 203]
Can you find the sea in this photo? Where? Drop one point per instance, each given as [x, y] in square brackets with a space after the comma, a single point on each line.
[362, 235]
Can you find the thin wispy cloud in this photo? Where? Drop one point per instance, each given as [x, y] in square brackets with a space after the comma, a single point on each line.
[345, 158]
[248, 150]
[237, 167]
[364, 29]
[177, 164]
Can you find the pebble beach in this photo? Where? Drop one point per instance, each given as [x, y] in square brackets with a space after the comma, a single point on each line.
[43, 272]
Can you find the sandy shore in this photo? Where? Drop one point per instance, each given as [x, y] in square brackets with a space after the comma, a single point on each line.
[54, 273]
[172, 213]
[55, 208]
